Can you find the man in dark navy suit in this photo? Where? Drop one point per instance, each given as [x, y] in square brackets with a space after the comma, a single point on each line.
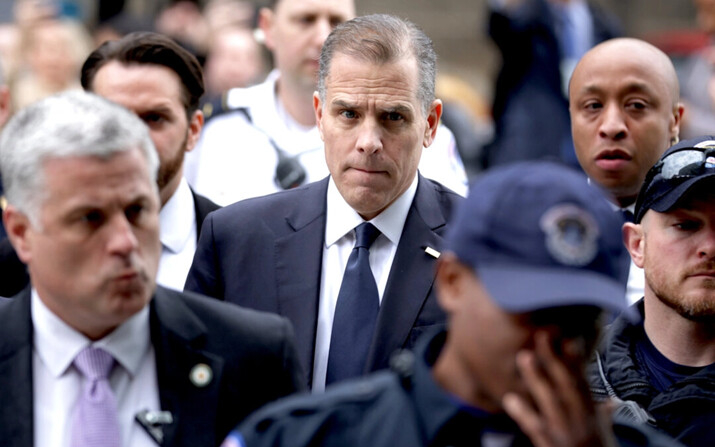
[83, 214]
[290, 252]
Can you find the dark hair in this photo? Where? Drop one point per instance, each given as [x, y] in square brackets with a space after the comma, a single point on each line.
[379, 39]
[150, 48]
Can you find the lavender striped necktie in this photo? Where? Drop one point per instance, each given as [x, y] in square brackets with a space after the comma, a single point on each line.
[95, 422]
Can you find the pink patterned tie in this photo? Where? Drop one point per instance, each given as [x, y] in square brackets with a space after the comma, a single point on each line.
[95, 422]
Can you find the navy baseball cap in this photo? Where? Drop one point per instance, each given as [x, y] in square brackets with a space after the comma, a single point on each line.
[679, 169]
[538, 236]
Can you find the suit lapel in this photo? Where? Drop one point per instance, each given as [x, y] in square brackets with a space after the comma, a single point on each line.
[411, 276]
[178, 338]
[298, 257]
[202, 207]
[16, 413]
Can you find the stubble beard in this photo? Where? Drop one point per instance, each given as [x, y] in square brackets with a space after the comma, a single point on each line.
[699, 308]
[171, 167]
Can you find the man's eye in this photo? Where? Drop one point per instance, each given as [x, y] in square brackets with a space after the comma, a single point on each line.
[637, 105]
[394, 116]
[688, 225]
[349, 114]
[93, 218]
[306, 20]
[593, 105]
[152, 118]
[134, 212]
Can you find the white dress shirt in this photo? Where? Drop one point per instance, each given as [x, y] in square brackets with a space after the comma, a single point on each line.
[234, 159]
[177, 223]
[340, 223]
[57, 383]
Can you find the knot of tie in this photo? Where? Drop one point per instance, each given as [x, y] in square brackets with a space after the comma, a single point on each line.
[94, 363]
[365, 233]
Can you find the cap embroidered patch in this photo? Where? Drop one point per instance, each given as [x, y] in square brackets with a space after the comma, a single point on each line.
[571, 235]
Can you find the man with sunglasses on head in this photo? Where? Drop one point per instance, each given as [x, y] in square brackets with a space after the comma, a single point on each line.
[662, 370]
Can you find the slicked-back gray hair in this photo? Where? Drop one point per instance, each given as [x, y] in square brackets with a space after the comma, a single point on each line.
[380, 39]
[70, 124]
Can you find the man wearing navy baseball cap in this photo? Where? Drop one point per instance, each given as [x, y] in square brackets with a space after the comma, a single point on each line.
[533, 259]
[664, 367]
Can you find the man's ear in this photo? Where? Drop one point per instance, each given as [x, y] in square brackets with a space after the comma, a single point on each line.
[676, 122]
[196, 123]
[266, 16]
[5, 104]
[634, 240]
[318, 107]
[17, 226]
[450, 281]
[433, 117]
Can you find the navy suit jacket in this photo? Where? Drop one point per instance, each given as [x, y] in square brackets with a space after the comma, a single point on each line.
[266, 253]
[252, 356]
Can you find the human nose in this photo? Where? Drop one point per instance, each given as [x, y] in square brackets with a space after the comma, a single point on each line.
[613, 125]
[322, 29]
[122, 240]
[707, 246]
[369, 138]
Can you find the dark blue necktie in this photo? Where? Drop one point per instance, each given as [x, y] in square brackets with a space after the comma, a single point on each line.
[355, 311]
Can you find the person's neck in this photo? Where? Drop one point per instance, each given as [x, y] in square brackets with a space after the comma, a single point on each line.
[625, 202]
[168, 191]
[680, 340]
[297, 100]
[453, 376]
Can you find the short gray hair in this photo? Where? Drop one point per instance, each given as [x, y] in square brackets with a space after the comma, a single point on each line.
[69, 124]
[379, 39]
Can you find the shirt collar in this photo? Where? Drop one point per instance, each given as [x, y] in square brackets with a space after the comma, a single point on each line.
[177, 219]
[57, 344]
[341, 218]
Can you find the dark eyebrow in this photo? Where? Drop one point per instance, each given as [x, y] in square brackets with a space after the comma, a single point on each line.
[164, 110]
[630, 88]
[342, 104]
[397, 109]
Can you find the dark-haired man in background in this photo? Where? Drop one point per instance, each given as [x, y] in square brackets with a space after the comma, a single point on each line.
[162, 83]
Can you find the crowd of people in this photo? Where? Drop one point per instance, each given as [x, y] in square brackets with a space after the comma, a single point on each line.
[298, 258]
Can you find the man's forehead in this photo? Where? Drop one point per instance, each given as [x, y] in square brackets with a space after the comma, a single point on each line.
[630, 78]
[625, 63]
[131, 162]
[343, 8]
